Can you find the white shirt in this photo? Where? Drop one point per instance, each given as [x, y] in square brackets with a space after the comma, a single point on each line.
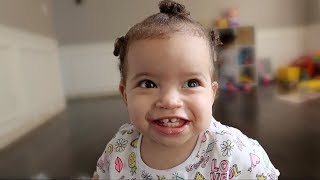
[221, 152]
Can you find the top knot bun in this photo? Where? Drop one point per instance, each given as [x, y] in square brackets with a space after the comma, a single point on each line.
[172, 8]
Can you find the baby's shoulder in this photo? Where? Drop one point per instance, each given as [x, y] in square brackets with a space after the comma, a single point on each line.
[126, 133]
[117, 150]
[245, 156]
[232, 140]
[226, 133]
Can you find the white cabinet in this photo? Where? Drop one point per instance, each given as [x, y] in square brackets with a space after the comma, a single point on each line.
[242, 55]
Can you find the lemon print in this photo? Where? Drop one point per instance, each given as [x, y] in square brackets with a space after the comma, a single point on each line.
[199, 176]
[132, 163]
[134, 143]
[261, 177]
[110, 148]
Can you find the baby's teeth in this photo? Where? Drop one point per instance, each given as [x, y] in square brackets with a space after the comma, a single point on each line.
[171, 124]
[165, 120]
[174, 120]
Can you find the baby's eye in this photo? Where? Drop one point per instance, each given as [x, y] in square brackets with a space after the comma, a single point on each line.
[147, 84]
[191, 83]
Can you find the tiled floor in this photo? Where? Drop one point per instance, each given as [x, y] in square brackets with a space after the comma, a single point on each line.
[70, 143]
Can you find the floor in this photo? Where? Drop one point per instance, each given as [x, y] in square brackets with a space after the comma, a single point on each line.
[70, 143]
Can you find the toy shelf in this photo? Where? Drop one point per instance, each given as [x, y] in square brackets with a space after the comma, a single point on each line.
[245, 58]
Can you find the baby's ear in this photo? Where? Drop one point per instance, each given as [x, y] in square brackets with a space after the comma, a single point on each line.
[122, 89]
[214, 86]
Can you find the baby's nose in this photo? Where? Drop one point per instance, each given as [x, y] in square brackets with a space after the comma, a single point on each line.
[169, 100]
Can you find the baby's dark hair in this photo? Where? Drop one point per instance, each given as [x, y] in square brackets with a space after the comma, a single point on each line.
[172, 18]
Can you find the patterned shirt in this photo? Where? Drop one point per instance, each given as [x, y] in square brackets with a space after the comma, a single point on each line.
[221, 152]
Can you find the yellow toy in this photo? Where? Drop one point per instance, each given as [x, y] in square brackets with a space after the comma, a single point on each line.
[313, 84]
[288, 73]
[222, 23]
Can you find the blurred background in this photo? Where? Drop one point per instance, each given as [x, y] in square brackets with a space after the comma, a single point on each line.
[59, 104]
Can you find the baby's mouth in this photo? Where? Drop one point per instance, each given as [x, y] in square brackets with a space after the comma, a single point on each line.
[171, 122]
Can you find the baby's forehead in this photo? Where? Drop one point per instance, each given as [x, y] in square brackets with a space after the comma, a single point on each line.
[173, 40]
[168, 36]
[179, 54]
[174, 47]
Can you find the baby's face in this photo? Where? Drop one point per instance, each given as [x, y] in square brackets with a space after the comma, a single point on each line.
[168, 92]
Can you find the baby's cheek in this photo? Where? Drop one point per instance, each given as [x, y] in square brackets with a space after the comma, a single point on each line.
[203, 110]
[137, 112]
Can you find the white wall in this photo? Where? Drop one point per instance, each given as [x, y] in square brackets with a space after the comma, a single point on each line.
[89, 70]
[313, 37]
[104, 20]
[30, 82]
[32, 16]
[281, 44]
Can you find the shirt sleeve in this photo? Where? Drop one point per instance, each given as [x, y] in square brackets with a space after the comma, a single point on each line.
[258, 164]
[102, 168]
[265, 170]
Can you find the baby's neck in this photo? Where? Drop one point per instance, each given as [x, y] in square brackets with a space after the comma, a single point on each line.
[162, 157]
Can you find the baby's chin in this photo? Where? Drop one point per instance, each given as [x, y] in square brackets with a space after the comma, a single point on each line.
[183, 140]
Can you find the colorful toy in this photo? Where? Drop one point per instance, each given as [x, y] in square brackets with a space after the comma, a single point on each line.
[246, 55]
[246, 80]
[221, 22]
[307, 64]
[289, 73]
[304, 73]
[229, 18]
[313, 84]
[232, 16]
[316, 58]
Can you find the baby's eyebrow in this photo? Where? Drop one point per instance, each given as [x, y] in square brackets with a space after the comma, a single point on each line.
[138, 75]
[193, 74]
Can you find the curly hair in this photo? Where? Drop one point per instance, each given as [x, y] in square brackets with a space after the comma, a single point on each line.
[172, 18]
